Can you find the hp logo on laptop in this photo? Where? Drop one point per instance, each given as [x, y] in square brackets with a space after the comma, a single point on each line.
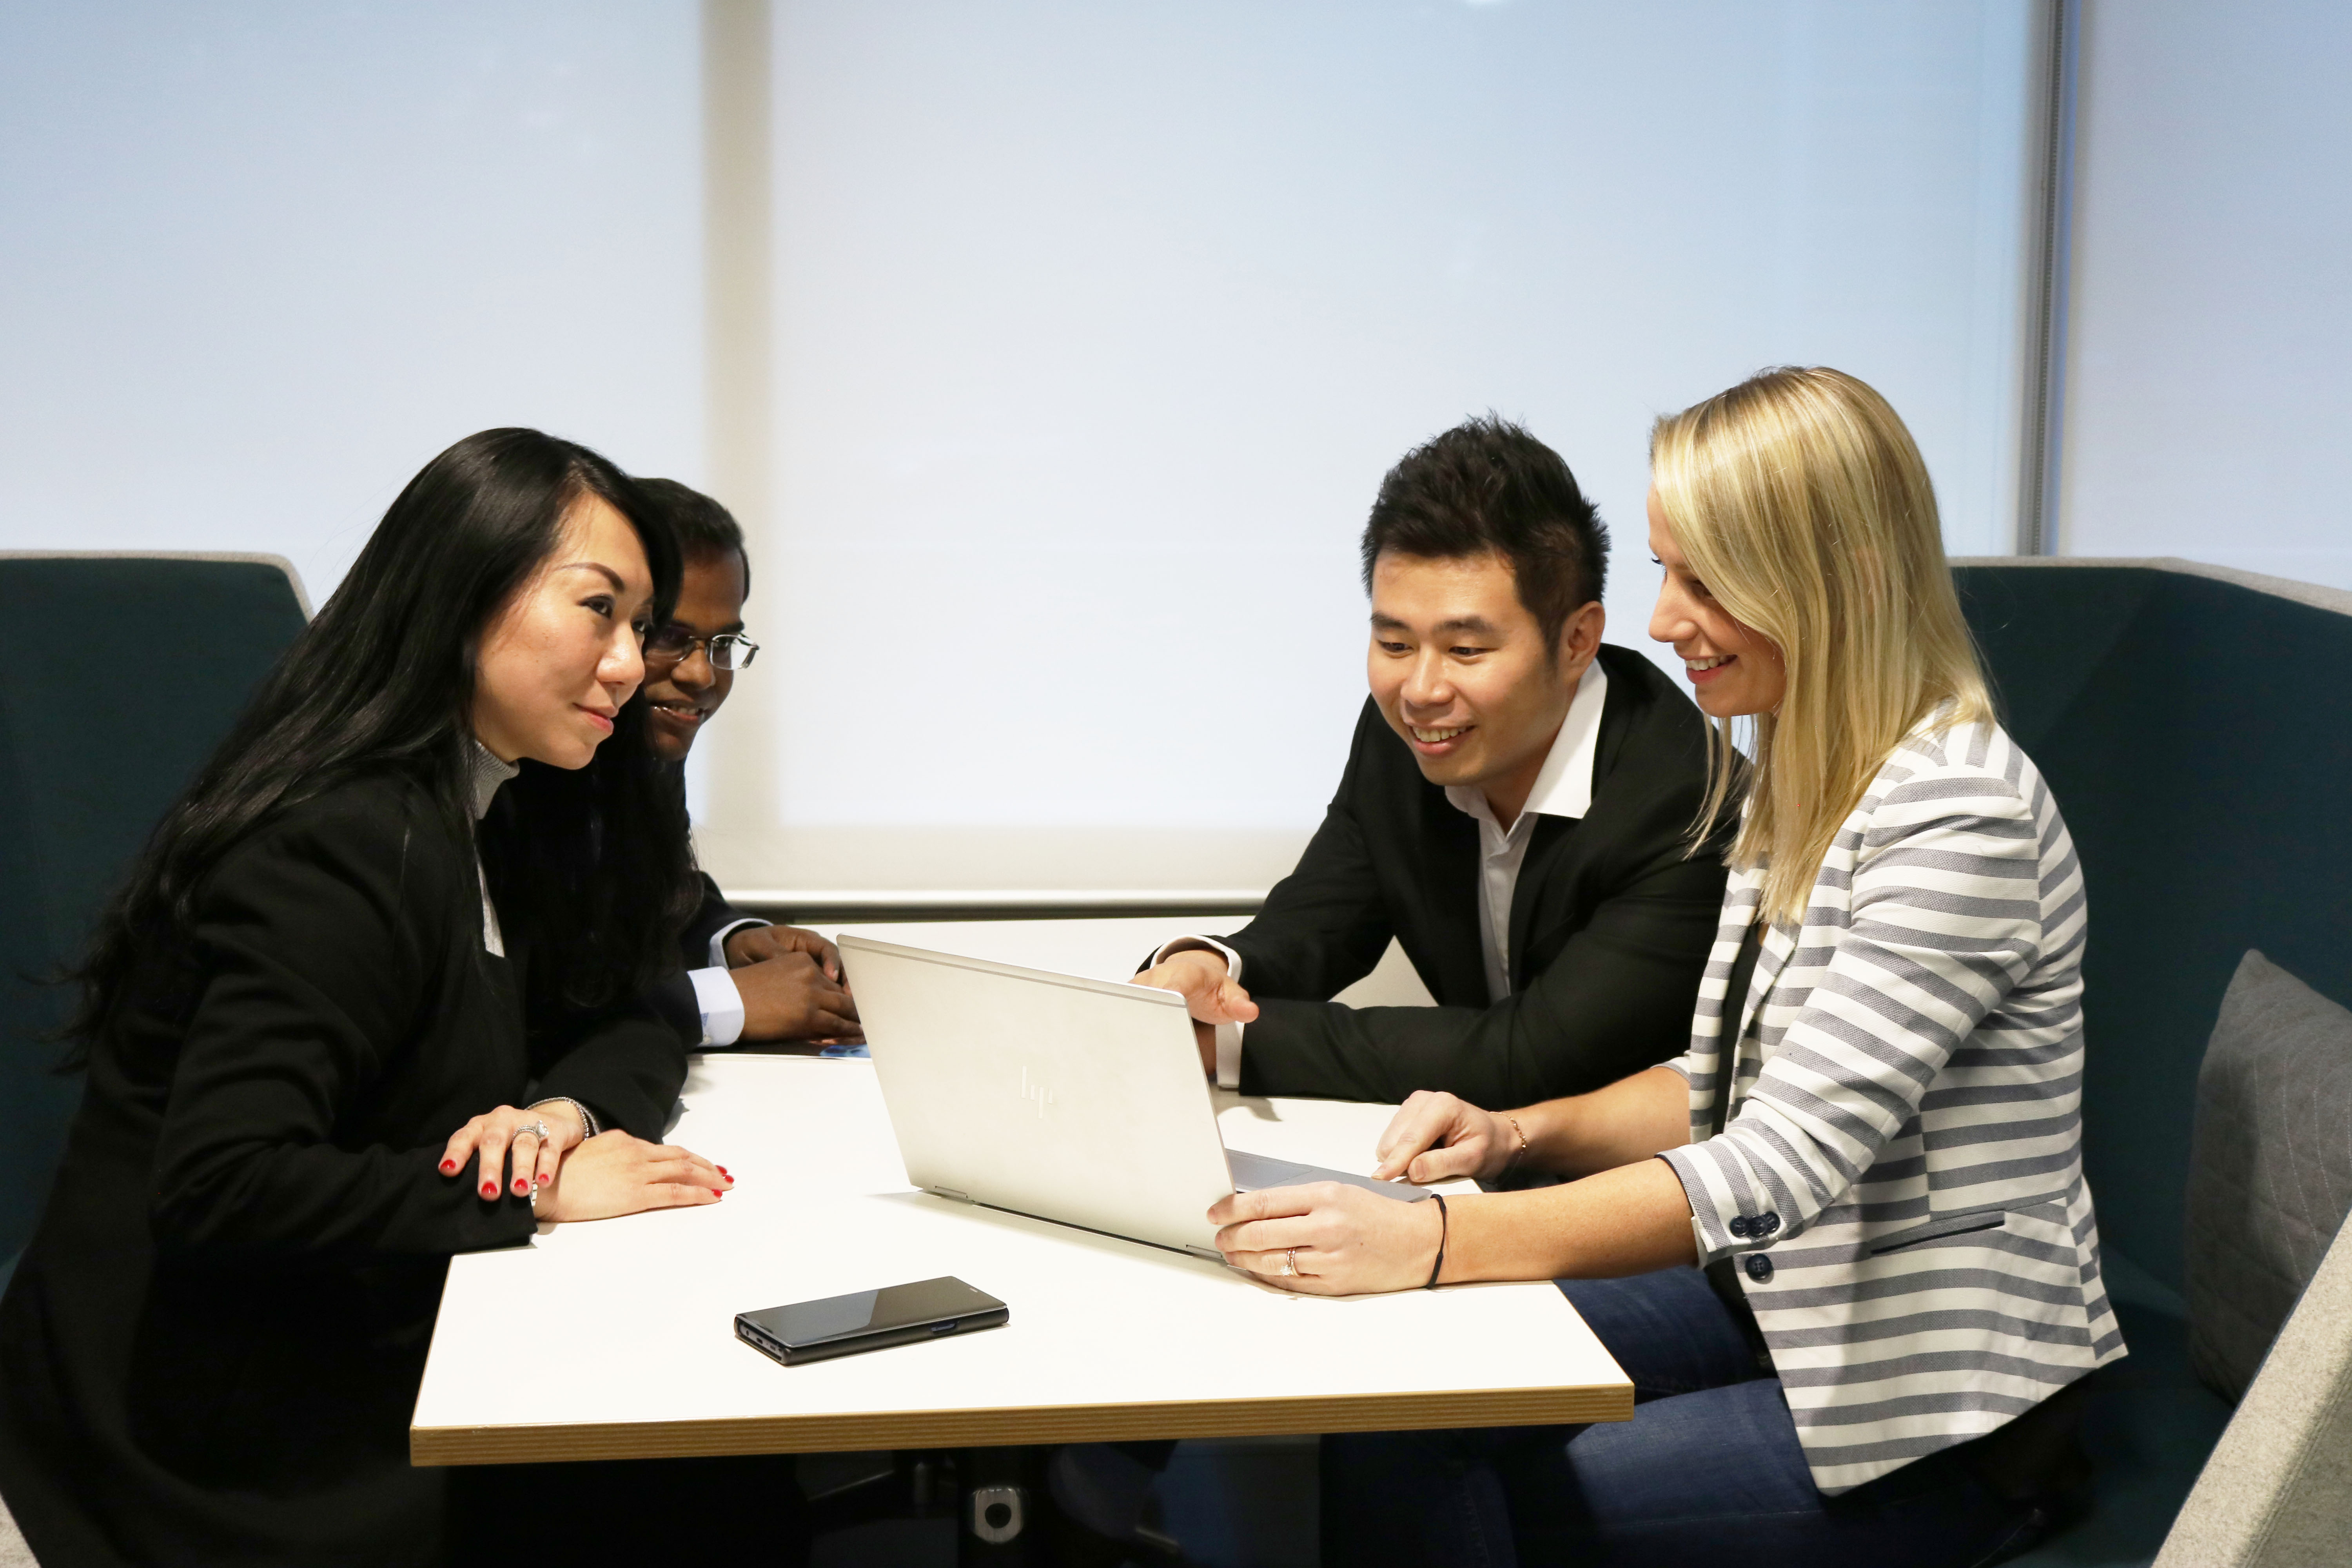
[1037, 1092]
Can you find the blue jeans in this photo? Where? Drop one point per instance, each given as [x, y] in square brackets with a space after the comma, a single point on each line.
[1708, 1471]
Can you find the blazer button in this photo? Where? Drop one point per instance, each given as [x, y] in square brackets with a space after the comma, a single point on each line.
[1759, 1268]
[1739, 1224]
[1768, 1223]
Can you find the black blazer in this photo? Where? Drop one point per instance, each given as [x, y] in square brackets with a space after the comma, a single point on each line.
[1610, 926]
[213, 1345]
[674, 997]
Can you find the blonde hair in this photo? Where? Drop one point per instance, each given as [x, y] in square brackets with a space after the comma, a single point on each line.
[1800, 501]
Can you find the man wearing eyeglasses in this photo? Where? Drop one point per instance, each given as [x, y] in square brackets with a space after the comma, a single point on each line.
[745, 979]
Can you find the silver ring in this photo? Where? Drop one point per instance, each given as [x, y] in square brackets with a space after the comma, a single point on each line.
[536, 1128]
[1290, 1261]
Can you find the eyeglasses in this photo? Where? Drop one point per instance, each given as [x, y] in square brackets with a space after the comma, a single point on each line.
[673, 644]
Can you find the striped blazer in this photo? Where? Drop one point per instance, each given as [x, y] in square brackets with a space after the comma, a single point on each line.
[1901, 1178]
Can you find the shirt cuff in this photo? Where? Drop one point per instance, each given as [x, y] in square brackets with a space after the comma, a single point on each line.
[1229, 1056]
[1233, 960]
[720, 1004]
[718, 940]
[1229, 1036]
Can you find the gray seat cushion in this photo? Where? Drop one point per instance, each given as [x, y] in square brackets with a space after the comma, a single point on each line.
[2270, 1169]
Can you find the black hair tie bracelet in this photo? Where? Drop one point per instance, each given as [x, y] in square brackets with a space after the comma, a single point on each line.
[1445, 1225]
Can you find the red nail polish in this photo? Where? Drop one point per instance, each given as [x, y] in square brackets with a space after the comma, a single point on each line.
[717, 1193]
[489, 1190]
[449, 1167]
[521, 1186]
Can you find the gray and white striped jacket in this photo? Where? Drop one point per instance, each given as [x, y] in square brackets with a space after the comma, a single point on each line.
[1902, 1167]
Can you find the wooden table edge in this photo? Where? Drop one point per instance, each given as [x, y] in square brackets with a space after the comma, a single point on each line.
[530, 1443]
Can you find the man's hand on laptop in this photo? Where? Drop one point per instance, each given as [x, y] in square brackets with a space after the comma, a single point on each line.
[1213, 996]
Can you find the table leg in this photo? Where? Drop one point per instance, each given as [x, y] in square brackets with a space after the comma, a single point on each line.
[1000, 1517]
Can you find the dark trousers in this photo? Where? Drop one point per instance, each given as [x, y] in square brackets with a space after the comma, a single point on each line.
[1708, 1471]
[740, 1509]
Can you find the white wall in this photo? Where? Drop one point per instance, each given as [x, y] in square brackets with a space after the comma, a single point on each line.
[258, 262]
[2209, 398]
[1095, 328]
[1098, 326]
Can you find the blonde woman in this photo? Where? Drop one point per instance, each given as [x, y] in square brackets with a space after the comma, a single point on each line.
[1900, 1261]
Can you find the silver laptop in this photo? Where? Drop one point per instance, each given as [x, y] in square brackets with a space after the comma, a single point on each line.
[1076, 1100]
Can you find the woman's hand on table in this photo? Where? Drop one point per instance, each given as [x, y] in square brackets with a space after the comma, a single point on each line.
[1343, 1240]
[1440, 1137]
[495, 1135]
[614, 1173]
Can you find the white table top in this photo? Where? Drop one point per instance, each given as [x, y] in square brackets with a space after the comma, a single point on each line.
[616, 1339]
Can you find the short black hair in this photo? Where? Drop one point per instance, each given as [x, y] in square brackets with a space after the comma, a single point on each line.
[703, 527]
[1488, 486]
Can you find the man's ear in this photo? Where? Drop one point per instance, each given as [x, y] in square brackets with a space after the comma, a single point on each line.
[1579, 637]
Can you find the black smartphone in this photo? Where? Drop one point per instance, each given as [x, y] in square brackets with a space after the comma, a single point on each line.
[869, 1319]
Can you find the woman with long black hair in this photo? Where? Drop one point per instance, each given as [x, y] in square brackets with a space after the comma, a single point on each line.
[368, 998]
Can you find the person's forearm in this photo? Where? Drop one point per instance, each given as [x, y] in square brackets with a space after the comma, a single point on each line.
[277, 1195]
[1630, 1120]
[627, 1070]
[1621, 1222]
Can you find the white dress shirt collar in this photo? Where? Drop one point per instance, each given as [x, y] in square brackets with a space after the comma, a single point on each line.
[1564, 785]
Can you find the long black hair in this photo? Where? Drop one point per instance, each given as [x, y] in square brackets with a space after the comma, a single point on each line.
[594, 864]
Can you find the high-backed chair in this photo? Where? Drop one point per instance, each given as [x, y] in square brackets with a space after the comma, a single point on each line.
[2270, 1279]
[123, 672]
[2204, 777]
[2277, 1492]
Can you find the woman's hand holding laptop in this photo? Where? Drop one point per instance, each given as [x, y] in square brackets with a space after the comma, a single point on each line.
[1329, 1239]
[1339, 1241]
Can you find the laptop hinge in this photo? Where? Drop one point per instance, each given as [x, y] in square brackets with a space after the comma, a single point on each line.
[1210, 1252]
[952, 1192]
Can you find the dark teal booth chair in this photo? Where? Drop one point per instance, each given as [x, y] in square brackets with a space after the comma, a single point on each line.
[2185, 718]
[123, 673]
[2179, 712]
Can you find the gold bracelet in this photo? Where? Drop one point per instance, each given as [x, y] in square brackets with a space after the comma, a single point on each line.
[1522, 1148]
